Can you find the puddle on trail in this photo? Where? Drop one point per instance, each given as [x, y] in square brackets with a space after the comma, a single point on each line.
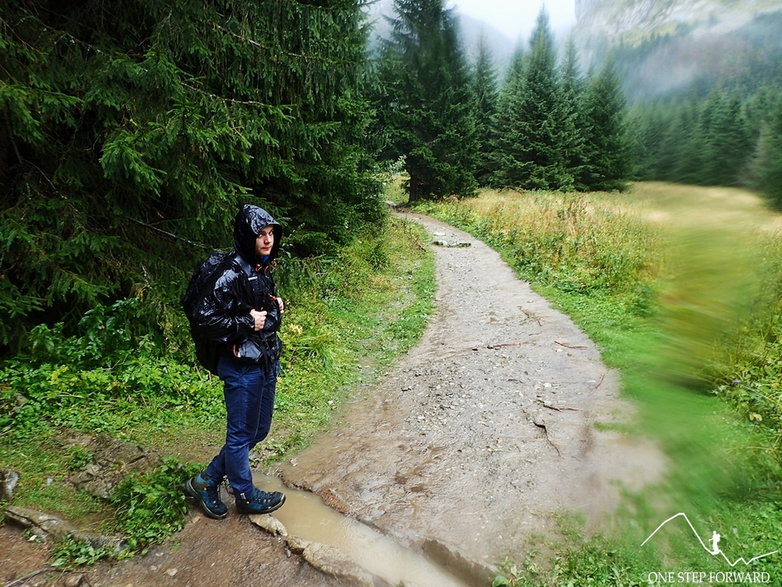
[306, 516]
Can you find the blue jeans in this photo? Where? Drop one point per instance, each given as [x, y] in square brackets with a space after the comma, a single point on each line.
[249, 401]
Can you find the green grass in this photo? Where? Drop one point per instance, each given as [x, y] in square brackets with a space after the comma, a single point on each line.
[44, 467]
[666, 280]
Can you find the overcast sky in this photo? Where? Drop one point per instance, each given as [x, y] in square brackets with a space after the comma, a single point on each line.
[516, 18]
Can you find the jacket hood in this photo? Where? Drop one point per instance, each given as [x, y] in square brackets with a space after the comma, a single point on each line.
[248, 224]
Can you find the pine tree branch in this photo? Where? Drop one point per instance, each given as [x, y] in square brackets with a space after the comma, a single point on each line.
[260, 45]
[231, 100]
[170, 235]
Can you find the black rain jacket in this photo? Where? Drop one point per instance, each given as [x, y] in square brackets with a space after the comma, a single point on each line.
[227, 287]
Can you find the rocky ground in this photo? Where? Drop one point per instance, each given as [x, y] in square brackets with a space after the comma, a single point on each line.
[464, 450]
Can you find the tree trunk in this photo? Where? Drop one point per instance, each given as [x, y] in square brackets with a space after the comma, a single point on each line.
[416, 190]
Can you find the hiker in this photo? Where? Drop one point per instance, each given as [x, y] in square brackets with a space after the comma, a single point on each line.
[715, 543]
[234, 321]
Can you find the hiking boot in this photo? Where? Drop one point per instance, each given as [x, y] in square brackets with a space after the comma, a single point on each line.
[206, 493]
[261, 502]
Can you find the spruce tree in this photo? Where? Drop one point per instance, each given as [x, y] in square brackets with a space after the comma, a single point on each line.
[688, 147]
[535, 141]
[484, 87]
[766, 171]
[607, 153]
[507, 170]
[425, 100]
[665, 145]
[726, 140]
[573, 118]
[130, 132]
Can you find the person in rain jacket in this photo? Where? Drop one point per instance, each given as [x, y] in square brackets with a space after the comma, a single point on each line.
[239, 316]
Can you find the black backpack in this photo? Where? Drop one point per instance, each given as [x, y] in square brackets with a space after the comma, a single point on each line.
[201, 284]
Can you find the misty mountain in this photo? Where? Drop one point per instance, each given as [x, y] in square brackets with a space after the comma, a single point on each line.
[675, 47]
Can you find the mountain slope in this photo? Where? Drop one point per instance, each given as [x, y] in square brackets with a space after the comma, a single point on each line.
[669, 47]
[472, 30]
[637, 21]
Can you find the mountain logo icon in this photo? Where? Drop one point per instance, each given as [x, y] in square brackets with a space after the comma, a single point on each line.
[714, 547]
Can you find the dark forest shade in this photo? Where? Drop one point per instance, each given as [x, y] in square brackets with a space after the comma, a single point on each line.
[130, 132]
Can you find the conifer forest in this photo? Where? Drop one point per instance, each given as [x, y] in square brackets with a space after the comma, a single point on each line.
[130, 133]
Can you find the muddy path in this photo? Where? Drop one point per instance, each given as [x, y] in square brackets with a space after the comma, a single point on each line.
[462, 451]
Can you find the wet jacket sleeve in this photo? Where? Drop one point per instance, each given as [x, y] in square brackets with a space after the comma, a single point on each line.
[222, 316]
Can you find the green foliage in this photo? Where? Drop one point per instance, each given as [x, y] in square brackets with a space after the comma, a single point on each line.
[148, 507]
[71, 552]
[111, 375]
[99, 379]
[749, 370]
[130, 135]
[152, 506]
[79, 458]
[600, 560]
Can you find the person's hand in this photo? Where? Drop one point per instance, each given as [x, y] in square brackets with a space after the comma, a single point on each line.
[281, 304]
[259, 318]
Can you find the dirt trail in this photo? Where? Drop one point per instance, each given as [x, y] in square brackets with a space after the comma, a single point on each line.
[463, 450]
[486, 428]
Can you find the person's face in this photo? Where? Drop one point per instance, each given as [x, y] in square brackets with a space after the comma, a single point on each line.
[264, 242]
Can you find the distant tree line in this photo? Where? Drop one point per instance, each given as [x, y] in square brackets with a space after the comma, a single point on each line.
[730, 138]
[705, 109]
[545, 127]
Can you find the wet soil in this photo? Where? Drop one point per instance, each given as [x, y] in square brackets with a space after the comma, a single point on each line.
[464, 450]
